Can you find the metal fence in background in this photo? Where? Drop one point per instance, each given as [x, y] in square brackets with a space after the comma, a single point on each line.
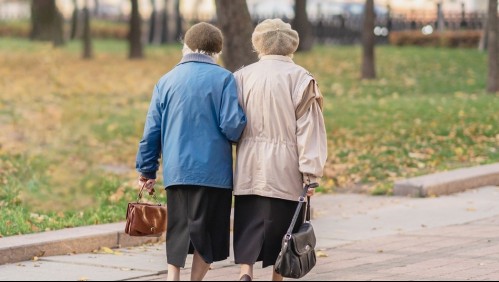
[348, 30]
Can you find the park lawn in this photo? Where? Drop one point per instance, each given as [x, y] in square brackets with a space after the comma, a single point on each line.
[70, 128]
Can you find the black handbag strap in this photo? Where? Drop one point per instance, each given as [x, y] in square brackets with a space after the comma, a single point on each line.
[298, 210]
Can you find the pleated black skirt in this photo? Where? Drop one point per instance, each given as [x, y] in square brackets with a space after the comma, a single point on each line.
[260, 223]
[198, 219]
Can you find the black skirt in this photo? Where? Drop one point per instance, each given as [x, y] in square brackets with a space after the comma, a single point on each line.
[198, 219]
[260, 223]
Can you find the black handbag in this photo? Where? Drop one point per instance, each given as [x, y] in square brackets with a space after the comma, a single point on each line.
[297, 256]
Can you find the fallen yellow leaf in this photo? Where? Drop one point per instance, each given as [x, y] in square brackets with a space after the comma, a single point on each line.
[106, 250]
[321, 254]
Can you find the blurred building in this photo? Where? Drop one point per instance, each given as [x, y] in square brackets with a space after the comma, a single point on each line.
[14, 10]
[316, 9]
[408, 6]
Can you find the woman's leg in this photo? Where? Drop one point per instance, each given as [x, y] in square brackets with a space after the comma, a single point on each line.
[199, 267]
[276, 276]
[248, 233]
[173, 273]
[246, 269]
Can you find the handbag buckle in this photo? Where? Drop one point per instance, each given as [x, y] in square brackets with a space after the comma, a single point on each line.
[301, 199]
[287, 237]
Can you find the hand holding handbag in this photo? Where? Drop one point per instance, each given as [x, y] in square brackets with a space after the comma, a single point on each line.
[144, 219]
[297, 256]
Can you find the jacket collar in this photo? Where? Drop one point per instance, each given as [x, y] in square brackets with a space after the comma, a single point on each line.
[197, 57]
[277, 57]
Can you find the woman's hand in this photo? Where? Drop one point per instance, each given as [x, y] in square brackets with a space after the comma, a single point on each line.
[311, 192]
[149, 184]
[311, 181]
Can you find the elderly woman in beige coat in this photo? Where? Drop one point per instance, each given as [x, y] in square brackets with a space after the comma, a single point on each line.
[283, 146]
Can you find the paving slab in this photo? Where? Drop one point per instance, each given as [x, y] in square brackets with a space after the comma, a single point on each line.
[62, 271]
[397, 215]
[144, 262]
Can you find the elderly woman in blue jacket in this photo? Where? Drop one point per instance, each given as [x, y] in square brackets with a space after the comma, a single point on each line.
[193, 119]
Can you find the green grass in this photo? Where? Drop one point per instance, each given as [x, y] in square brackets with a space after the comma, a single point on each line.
[19, 175]
[426, 112]
[70, 128]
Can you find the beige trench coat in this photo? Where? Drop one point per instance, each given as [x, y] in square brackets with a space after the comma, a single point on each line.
[285, 139]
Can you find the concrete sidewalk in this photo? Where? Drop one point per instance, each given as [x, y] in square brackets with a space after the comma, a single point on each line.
[359, 238]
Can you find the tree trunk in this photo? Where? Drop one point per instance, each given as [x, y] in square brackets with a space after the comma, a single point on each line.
[482, 45]
[156, 24]
[178, 20]
[172, 22]
[47, 22]
[74, 21]
[368, 42]
[303, 26]
[235, 22]
[152, 23]
[493, 79]
[87, 36]
[97, 7]
[169, 22]
[135, 34]
[164, 24]
[440, 18]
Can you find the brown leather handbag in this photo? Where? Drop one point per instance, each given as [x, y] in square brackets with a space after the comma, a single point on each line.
[144, 219]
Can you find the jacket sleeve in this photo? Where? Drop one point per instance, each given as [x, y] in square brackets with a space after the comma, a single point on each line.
[232, 118]
[149, 152]
[311, 134]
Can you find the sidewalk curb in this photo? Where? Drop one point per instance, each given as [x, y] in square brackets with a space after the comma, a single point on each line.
[449, 182]
[69, 241]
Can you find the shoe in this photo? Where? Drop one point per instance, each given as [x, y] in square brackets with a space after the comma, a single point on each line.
[245, 277]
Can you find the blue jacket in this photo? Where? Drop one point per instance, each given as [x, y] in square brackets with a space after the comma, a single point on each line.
[193, 118]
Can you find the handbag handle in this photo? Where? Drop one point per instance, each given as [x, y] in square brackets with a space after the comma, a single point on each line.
[139, 197]
[298, 209]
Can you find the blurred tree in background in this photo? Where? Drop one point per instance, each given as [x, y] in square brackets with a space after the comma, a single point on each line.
[87, 36]
[46, 22]
[235, 21]
[303, 26]
[158, 24]
[74, 21]
[135, 34]
[173, 22]
[493, 79]
[368, 42]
